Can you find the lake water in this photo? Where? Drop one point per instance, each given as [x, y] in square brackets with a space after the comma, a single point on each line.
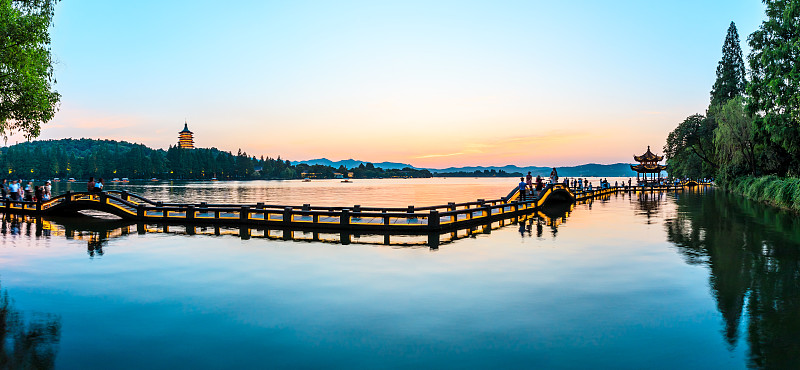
[694, 279]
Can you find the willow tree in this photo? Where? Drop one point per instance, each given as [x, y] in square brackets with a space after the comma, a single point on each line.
[774, 89]
[27, 97]
[735, 140]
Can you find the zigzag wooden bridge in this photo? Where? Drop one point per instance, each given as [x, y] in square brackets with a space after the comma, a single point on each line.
[410, 220]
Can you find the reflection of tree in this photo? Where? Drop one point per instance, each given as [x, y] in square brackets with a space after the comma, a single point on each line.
[26, 346]
[752, 252]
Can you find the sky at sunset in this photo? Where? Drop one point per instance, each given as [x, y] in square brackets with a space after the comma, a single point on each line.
[430, 83]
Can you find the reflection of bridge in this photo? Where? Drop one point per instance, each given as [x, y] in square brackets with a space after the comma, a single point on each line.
[97, 232]
[410, 220]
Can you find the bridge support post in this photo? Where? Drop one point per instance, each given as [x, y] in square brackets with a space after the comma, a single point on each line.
[287, 215]
[344, 219]
[140, 211]
[244, 213]
[190, 212]
[385, 218]
[433, 220]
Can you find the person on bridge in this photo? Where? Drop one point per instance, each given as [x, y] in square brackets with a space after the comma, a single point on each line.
[98, 186]
[90, 184]
[13, 190]
[539, 182]
[529, 181]
[553, 176]
[521, 188]
[47, 191]
[29, 191]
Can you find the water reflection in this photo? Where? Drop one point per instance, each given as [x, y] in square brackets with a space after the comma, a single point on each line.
[98, 232]
[26, 345]
[753, 254]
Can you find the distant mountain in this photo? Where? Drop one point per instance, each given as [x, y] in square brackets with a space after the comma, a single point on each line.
[584, 170]
[351, 163]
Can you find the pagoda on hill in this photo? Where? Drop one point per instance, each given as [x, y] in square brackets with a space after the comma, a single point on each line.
[648, 164]
[186, 137]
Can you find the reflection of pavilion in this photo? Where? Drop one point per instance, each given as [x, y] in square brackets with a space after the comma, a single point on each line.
[648, 203]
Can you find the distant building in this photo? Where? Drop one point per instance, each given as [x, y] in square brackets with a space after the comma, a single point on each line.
[186, 137]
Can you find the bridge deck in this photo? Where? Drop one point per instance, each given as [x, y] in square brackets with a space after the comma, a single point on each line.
[407, 220]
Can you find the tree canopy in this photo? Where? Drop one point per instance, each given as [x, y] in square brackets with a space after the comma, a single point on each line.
[27, 98]
[774, 92]
[690, 148]
[731, 81]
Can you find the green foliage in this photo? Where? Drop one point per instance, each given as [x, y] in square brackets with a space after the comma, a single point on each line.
[775, 87]
[731, 81]
[690, 148]
[108, 159]
[26, 68]
[734, 140]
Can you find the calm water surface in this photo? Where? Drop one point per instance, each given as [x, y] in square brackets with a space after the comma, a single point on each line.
[683, 280]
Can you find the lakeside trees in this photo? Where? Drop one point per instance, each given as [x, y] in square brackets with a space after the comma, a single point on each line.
[690, 148]
[81, 158]
[27, 99]
[750, 128]
[774, 93]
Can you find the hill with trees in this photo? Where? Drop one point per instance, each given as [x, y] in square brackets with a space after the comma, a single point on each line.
[81, 158]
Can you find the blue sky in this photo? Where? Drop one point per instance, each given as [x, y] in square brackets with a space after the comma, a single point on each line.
[432, 83]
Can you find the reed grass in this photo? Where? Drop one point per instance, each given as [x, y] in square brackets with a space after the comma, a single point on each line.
[773, 190]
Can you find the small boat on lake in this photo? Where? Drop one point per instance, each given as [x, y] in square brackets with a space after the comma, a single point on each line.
[125, 179]
[71, 179]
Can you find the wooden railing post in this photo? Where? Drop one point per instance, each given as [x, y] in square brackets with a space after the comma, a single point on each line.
[287, 214]
[433, 220]
[68, 196]
[344, 219]
[190, 212]
[140, 211]
[244, 213]
[385, 218]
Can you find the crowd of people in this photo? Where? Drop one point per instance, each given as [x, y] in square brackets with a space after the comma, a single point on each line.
[16, 191]
[529, 185]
